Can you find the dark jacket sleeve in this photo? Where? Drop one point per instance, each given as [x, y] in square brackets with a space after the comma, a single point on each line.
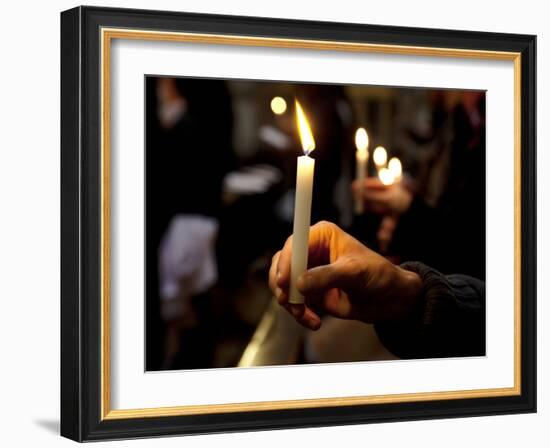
[449, 321]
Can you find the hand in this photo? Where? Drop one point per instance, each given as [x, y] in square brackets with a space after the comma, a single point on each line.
[383, 199]
[345, 279]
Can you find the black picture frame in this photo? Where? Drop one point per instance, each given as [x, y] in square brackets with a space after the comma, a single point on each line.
[81, 380]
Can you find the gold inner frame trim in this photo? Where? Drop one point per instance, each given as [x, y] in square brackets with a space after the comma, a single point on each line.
[107, 35]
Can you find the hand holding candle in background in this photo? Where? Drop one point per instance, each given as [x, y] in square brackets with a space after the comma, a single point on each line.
[385, 193]
[384, 199]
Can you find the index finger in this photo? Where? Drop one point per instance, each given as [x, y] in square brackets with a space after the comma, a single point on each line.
[282, 271]
[273, 272]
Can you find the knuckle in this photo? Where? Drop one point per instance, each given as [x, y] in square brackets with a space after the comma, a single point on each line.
[353, 266]
[327, 225]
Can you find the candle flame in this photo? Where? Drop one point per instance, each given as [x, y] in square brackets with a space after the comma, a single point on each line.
[278, 105]
[380, 156]
[386, 176]
[394, 165]
[306, 137]
[361, 140]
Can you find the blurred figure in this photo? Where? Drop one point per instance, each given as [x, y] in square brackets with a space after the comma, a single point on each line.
[187, 268]
[188, 151]
[442, 218]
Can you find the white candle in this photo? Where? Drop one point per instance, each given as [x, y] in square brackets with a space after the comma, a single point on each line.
[361, 159]
[302, 206]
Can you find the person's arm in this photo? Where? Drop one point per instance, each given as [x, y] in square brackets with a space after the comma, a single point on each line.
[417, 311]
[448, 321]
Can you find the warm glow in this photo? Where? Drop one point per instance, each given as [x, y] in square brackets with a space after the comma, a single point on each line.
[306, 137]
[386, 176]
[394, 165]
[278, 105]
[380, 156]
[362, 141]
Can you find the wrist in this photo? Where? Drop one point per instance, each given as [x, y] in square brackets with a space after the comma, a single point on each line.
[411, 290]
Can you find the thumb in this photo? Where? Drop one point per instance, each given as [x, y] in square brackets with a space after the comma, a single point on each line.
[320, 279]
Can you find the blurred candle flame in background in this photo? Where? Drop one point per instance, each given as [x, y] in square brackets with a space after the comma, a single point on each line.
[380, 156]
[395, 167]
[362, 142]
[278, 105]
[386, 176]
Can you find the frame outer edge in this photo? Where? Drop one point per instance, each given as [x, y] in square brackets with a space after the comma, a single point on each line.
[71, 327]
[529, 222]
[80, 408]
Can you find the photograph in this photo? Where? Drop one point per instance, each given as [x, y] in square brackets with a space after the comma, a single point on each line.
[392, 182]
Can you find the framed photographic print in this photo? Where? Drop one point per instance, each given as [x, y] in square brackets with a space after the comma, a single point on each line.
[274, 224]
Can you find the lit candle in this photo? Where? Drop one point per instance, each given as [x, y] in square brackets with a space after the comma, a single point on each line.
[302, 206]
[380, 157]
[361, 159]
[396, 169]
[386, 176]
